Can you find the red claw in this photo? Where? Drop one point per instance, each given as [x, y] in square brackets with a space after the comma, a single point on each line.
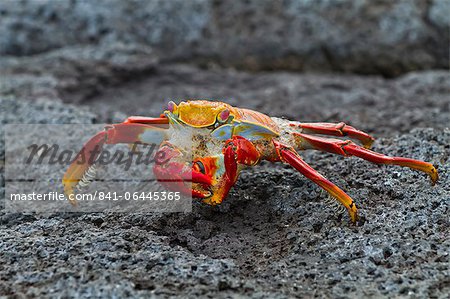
[198, 177]
[230, 164]
[176, 174]
[237, 150]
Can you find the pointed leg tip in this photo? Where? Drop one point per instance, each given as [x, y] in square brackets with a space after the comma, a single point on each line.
[354, 217]
[70, 195]
[357, 220]
[432, 172]
[69, 192]
[434, 176]
[368, 145]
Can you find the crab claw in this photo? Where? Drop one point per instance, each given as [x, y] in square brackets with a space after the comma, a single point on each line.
[175, 173]
[237, 153]
[209, 178]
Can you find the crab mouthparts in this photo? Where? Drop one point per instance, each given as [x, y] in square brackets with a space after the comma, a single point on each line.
[203, 190]
[182, 177]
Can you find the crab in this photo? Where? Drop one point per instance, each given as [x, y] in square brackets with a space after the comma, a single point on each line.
[224, 140]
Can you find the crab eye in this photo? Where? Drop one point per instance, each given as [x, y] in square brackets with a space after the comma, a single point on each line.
[200, 167]
[223, 116]
[172, 107]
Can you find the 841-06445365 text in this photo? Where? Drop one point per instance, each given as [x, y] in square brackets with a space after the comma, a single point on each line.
[97, 195]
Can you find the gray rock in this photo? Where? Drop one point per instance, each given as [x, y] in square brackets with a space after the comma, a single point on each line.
[352, 36]
[437, 12]
[84, 260]
[80, 70]
[42, 111]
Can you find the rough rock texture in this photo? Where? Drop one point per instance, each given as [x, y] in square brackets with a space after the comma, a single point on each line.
[343, 35]
[275, 235]
[70, 70]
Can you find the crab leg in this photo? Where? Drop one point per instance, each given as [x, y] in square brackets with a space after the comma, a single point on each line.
[348, 148]
[332, 129]
[147, 120]
[290, 156]
[113, 134]
[239, 150]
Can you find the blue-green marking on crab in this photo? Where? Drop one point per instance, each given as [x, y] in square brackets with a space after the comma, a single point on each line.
[248, 130]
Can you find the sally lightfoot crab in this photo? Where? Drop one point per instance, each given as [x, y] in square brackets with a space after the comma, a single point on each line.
[224, 140]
